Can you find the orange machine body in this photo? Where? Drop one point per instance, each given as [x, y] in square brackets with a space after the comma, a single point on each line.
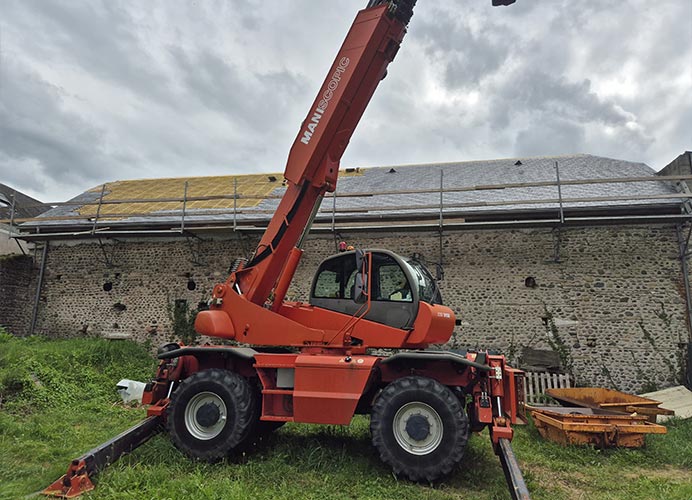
[298, 324]
[310, 361]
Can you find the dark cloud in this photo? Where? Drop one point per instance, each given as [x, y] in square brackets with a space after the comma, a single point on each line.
[41, 142]
[553, 135]
[467, 56]
[103, 39]
[244, 96]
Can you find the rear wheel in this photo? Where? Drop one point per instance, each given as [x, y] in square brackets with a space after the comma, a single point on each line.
[419, 428]
[211, 413]
[259, 429]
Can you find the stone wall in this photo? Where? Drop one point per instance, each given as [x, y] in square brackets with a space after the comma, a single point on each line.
[613, 305]
[8, 246]
[18, 276]
[130, 289]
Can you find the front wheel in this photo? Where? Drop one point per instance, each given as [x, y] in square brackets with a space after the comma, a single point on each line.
[211, 413]
[419, 428]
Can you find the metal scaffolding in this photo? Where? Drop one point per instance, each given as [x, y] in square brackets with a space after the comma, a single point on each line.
[370, 217]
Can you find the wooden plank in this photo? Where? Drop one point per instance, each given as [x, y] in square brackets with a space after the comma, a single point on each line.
[125, 215]
[540, 391]
[525, 386]
[678, 399]
[529, 393]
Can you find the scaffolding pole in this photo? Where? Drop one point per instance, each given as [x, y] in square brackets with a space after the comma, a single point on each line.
[559, 193]
[182, 219]
[98, 208]
[235, 203]
[39, 286]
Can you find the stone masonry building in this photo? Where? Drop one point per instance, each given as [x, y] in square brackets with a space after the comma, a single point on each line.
[579, 255]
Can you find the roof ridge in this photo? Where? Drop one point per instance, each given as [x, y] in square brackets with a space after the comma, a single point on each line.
[428, 164]
[493, 160]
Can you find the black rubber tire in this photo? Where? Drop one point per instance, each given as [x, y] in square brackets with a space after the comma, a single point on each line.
[441, 460]
[241, 408]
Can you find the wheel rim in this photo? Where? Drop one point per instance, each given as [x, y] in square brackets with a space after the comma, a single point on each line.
[427, 422]
[197, 404]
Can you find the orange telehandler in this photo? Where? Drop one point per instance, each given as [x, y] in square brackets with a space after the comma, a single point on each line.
[310, 362]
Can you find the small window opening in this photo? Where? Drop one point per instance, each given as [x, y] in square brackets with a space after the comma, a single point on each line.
[530, 282]
[191, 285]
[107, 286]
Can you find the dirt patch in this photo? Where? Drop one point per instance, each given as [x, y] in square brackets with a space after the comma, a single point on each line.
[668, 473]
[576, 485]
[573, 485]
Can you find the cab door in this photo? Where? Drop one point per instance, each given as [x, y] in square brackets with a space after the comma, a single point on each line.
[394, 300]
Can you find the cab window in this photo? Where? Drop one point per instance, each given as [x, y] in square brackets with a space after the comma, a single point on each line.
[327, 285]
[335, 279]
[427, 288]
[393, 284]
[390, 280]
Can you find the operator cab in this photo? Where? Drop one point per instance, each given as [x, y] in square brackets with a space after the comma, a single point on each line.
[397, 287]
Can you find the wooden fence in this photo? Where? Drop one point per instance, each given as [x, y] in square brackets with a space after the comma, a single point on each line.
[536, 383]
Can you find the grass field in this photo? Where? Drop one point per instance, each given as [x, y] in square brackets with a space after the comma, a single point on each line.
[57, 400]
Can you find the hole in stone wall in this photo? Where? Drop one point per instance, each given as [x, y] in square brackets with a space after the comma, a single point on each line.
[530, 282]
[116, 326]
[107, 286]
[119, 307]
[191, 285]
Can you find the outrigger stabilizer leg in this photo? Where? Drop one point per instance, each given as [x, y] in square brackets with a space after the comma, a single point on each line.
[77, 479]
[513, 475]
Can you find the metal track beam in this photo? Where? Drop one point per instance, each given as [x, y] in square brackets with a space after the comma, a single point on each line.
[515, 479]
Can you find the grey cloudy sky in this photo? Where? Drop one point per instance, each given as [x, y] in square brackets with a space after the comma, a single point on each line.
[96, 91]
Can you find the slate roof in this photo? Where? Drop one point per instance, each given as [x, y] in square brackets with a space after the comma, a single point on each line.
[376, 180]
[24, 206]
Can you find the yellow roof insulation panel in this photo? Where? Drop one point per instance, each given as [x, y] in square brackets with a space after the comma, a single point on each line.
[251, 190]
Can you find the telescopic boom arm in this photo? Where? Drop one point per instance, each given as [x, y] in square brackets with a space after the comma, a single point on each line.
[313, 162]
